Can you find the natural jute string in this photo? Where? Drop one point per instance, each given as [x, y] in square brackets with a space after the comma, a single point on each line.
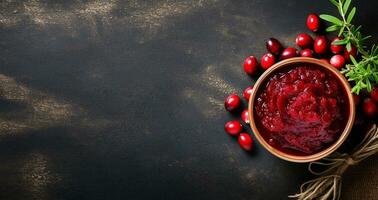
[328, 185]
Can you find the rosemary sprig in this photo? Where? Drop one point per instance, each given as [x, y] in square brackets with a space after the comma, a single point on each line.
[363, 72]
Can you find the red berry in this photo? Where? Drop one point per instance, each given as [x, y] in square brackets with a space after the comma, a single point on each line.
[245, 141]
[370, 107]
[232, 102]
[324, 60]
[289, 52]
[313, 22]
[351, 52]
[245, 117]
[267, 60]
[374, 94]
[356, 99]
[273, 46]
[337, 61]
[233, 127]
[336, 49]
[306, 53]
[320, 45]
[304, 40]
[247, 92]
[250, 65]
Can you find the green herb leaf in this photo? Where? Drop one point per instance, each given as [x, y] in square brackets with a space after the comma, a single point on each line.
[368, 86]
[349, 46]
[341, 31]
[332, 28]
[351, 14]
[353, 60]
[340, 8]
[375, 75]
[346, 5]
[334, 3]
[364, 71]
[355, 90]
[367, 37]
[340, 42]
[357, 29]
[331, 19]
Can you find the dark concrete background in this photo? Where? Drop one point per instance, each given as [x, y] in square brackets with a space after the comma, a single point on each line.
[124, 99]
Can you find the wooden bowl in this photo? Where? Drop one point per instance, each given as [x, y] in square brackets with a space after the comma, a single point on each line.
[323, 153]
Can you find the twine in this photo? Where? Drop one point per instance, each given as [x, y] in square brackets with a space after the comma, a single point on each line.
[331, 168]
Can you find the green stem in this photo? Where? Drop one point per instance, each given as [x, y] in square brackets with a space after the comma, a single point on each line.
[350, 32]
[369, 59]
[364, 71]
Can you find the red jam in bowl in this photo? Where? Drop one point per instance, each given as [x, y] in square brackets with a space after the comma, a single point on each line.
[301, 110]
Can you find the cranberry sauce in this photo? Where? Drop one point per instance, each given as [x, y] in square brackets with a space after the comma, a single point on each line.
[301, 110]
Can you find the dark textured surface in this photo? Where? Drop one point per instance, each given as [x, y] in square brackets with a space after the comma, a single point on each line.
[124, 99]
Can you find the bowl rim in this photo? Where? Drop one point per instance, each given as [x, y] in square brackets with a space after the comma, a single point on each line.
[323, 153]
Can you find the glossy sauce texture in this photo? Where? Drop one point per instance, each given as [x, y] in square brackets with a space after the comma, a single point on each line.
[301, 110]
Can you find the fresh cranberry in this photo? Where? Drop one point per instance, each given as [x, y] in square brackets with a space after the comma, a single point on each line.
[247, 92]
[306, 53]
[320, 45]
[289, 52]
[313, 22]
[324, 60]
[273, 46]
[374, 94]
[336, 49]
[351, 52]
[250, 65]
[232, 102]
[356, 99]
[245, 141]
[304, 40]
[370, 107]
[233, 127]
[337, 61]
[245, 117]
[267, 60]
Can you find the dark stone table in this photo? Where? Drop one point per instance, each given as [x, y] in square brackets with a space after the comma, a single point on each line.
[124, 99]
